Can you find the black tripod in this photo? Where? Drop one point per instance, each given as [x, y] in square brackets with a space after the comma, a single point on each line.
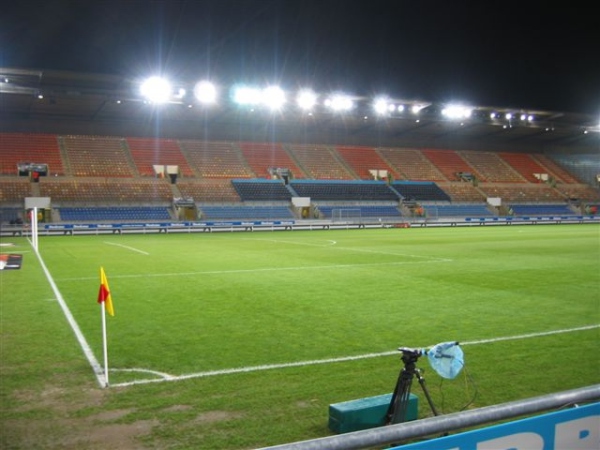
[396, 412]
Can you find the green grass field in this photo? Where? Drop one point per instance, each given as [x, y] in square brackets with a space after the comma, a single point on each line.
[242, 340]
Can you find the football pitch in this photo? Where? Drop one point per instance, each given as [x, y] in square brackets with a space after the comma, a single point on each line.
[242, 340]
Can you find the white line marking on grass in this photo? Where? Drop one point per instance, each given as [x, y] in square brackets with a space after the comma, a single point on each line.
[328, 243]
[133, 249]
[351, 249]
[169, 377]
[87, 351]
[266, 269]
[530, 335]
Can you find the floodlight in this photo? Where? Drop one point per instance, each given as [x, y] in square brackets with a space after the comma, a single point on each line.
[457, 112]
[205, 92]
[381, 106]
[246, 95]
[156, 89]
[306, 99]
[339, 103]
[273, 97]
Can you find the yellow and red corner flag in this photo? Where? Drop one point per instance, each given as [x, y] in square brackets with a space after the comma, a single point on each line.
[104, 293]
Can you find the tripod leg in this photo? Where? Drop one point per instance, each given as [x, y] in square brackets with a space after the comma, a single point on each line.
[399, 403]
[426, 392]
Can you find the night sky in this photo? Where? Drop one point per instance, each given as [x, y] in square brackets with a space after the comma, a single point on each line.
[528, 54]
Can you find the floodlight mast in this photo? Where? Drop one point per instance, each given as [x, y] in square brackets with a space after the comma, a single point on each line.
[396, 412]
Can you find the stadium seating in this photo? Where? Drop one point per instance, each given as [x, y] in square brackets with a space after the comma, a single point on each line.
[364, 159]
[491, 167]
[449, 163]
[344, 190]
[319, 162]
[263, 156]
[114, 171]
[216, 159]
[148, 152]
[98, 156]
[526, 165]
[411, 164]
[243, 212]
[261, 190]
[107, 214]
[420, 191]
[17, 148]
[540, 210]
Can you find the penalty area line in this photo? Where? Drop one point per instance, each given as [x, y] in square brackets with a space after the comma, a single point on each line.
[168, 377]
[133, 249]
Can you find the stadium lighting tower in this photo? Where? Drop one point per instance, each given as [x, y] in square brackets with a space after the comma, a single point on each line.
[457, 112]
[381, 106]
[339, 103]
[273, 98]
[156, 89]
[306, 99]
[205, 92]
[243, 95]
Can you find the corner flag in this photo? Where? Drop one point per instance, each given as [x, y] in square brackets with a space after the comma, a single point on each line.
[104, 293]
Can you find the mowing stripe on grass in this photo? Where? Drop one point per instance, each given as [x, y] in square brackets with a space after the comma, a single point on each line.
[168, 377]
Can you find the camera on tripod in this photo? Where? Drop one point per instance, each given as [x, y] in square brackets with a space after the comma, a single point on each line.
[410, 355]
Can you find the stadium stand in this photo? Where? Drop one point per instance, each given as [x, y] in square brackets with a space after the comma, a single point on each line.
[461, 191]
[264, 156]
[107, 214]
[358, 212]
[105, 191]
[103, 172]
[420, 191]
[450, 163]
[213, 190]
[584, 168]
[98, 156]
[17, 148]
[465, 210]
[261, 190]
[320, 163]
[344, 190]
[150, 152]
[540, 210]
[491, 167]
[243, 212]
[13, 190]
[522, 193]
[363, 160]
[216, 159]
[526, 165]
[411, 164]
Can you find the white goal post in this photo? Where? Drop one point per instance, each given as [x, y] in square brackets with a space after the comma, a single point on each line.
[346, 215]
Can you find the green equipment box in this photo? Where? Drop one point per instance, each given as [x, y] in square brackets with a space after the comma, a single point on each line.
[363, 413]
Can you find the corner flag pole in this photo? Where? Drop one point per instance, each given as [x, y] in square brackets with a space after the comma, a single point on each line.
[34, 228]
[106, 305]
[104, 343]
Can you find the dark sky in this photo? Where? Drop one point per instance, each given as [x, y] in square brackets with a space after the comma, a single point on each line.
[529, 54]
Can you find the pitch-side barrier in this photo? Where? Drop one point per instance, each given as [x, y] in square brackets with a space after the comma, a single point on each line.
[283, 225]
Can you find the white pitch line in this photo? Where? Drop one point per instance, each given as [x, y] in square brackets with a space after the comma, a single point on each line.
[133, 249]
[266, 269]
[169, 377]
[87, 351]
[530, 335]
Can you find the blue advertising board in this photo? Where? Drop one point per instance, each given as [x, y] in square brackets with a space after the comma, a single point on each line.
[575, 428]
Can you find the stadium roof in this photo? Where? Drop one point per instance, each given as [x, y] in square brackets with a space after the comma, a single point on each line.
[84, 103]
